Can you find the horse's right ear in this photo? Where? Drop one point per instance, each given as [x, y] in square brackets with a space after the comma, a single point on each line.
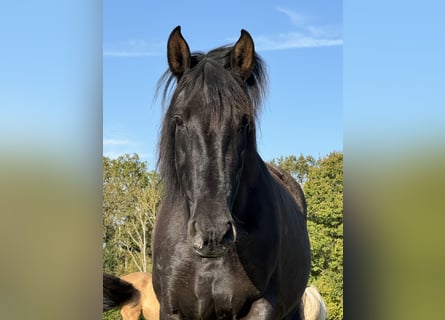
[178, 53]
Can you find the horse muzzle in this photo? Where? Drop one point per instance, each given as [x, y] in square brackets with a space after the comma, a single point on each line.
[211, 241]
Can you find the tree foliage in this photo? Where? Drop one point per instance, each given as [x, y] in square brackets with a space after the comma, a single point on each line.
[131, 196]
[297, 167]
[322, 182]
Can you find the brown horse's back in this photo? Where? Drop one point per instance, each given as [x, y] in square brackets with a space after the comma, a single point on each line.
[147, 304]
[291, 184]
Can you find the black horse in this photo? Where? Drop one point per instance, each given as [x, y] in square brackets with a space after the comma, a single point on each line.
[230, 240]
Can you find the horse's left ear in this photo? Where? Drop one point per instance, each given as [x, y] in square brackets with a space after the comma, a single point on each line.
[178, 53]
[243, 55]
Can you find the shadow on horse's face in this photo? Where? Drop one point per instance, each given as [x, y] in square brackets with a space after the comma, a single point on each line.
[210, 119]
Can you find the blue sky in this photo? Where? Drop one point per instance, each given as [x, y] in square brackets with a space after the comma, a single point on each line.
[301, 42]
[390, 81]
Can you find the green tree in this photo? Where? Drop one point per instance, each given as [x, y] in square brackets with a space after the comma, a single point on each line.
[324, 193]
[131, 196]
[322, 182]
[298, 167]
[139, 226]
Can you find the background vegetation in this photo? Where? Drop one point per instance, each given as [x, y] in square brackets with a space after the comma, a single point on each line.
[322, 182]
[131, 197]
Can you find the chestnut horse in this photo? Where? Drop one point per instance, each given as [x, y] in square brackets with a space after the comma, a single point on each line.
[139, 298]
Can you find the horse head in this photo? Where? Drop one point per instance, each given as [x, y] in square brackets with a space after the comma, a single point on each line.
[209, 127]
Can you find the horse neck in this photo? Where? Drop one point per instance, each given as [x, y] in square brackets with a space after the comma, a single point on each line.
[256, 169]
[254, 174]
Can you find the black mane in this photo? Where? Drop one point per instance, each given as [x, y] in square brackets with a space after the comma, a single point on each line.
[256, 84]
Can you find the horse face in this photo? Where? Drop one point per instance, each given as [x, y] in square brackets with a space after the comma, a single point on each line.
[209, 159]
[210, 113]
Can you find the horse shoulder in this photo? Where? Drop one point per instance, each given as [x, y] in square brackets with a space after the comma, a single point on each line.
[286, 180]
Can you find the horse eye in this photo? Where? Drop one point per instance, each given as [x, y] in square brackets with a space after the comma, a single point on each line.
[178, 120]
[244, 122]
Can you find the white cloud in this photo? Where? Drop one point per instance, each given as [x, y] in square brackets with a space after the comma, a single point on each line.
[304, 35]
[296, 18]
[294, 40]
[324, 31]
[108, 142]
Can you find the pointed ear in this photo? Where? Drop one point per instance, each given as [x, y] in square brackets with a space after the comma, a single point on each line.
[243, 55]
[178, 53]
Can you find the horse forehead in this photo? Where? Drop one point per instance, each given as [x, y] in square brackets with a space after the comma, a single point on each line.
[203, 94]
[208, 106]
[209, 118]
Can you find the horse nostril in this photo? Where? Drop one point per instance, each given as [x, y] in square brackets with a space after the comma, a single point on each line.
[192, 228]
[230, 235]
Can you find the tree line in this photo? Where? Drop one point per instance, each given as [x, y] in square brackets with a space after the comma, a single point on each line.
[132, 194]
